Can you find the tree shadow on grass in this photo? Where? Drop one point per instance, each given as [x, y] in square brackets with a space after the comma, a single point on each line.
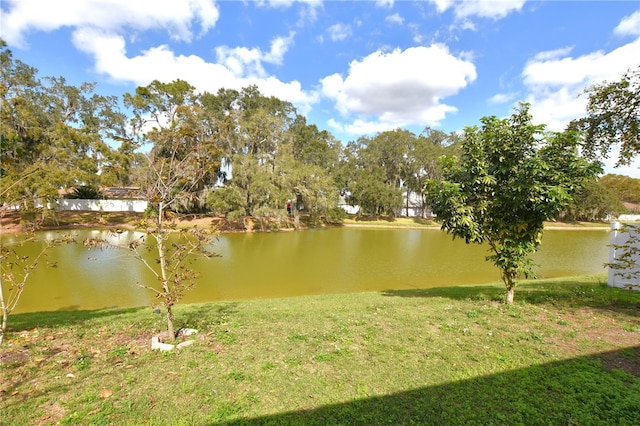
[192, 316]
[199, 316]
[557, 292]
[64, 317]
[591, 390]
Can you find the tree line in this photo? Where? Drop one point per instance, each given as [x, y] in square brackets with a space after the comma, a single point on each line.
[255, 154]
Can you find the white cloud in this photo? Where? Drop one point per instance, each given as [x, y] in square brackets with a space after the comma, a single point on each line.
[287, 3]
[275, 3]
[630, 25]
[339, 32]
[553, 54]
[502, 98]
[245, 61]
[238, 67]
[442, 5]
[385, 3]
[308, 13]
[360, 127]
[99, 28]
[395, 19]
[556, 81]
[176, 16]
[399, 88]
[465, 24]
[279, 47]
[495, 9]
[241, 60]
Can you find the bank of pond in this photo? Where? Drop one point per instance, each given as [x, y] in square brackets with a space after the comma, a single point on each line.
[309, 262]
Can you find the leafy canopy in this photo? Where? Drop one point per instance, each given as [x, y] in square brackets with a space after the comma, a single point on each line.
[511, 178]
[613, 118]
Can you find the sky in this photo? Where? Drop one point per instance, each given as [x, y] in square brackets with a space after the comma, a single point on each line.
[353, 68]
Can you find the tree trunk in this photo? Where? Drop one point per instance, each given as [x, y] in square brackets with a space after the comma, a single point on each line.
[5, 314]
[296, 218]
[160, 241]
[170, 329]
[407, 197]
[509, 278]
[510, 294]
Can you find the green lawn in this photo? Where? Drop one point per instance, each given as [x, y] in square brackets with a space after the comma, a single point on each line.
[567, 352]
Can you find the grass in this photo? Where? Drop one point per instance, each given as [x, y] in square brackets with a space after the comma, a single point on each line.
[567, 352]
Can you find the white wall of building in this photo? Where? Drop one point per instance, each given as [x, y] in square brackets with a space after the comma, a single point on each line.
[628, 236]
[137, 206]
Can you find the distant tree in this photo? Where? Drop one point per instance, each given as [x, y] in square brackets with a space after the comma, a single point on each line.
[314, 146]
[613, 118]
[370, 192]
[123, 166]
[626, 189]
[511, 178]
[305, 185]
[51, 132]
[377, 170]
[86, 192]
[250, 127]
[593, 202]
[271, 156]
[423, 162]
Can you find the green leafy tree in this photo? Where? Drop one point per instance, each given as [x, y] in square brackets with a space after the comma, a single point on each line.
[308, 165]
[511, 178]
[250, 128]
[626, 189]
[314, 146]
[593, 202]
[52, 134]
[270, 156]
[613, 118]
[307, 186]
[423, 162]
[377, 168]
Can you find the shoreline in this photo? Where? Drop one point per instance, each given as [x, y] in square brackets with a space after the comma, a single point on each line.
[11, 223]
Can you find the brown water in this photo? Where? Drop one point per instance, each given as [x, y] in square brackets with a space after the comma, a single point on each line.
[263, 265]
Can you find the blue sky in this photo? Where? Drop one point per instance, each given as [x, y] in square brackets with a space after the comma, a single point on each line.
[353, 68]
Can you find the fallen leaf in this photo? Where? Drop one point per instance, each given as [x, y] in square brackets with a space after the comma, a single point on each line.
[92, 412]
[105, 393]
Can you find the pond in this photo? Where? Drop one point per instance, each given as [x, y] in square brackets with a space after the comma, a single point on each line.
[265, 265]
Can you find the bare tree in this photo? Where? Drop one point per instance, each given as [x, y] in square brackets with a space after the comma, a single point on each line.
[182, 161]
